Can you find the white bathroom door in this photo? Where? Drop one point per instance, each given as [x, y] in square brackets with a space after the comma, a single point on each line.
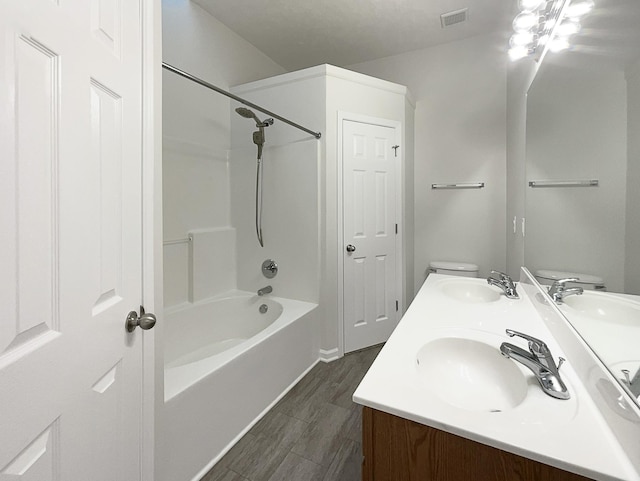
[70, 240]
[370, 294]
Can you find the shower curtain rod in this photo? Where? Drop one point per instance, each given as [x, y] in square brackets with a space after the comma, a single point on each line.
[197, 80]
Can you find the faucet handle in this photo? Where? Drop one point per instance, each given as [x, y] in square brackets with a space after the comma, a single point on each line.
[560, 283]
[536, 346]
[501, 275]
[627, 379]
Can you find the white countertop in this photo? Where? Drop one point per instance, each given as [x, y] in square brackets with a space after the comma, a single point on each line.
[570, 435]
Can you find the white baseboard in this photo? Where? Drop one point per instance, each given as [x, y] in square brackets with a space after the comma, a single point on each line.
[329, 355]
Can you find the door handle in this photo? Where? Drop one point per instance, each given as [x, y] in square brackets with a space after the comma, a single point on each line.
[146, 320]
[351, 248]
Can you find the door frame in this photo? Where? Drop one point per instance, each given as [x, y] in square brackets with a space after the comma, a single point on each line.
[400, 268]
[151, 205]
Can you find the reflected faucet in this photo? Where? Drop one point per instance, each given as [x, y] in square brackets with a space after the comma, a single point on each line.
[540, 361]
[504, 282]
[265, 290]
[558, 290]
[633, 384]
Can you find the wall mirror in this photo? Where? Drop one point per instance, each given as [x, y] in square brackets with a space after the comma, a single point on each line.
[583, 180]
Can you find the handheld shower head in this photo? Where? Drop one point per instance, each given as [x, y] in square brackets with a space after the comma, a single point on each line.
[248, 114]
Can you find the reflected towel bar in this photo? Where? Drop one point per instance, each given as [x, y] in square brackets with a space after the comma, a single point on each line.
[474, 185]
[563, 183]
[186, 240]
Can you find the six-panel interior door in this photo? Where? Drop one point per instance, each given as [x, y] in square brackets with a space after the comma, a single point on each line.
[369, 232]
[70, 241]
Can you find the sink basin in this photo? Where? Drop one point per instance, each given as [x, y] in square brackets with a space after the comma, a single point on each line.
[605, 307]
[471, 374]
[471, 291]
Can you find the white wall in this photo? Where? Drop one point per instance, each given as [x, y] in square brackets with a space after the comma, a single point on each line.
[196, 130]
[632, 264]
[576, 129]
[460, 136]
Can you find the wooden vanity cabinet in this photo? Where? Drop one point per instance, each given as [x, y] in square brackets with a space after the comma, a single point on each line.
[396, 449]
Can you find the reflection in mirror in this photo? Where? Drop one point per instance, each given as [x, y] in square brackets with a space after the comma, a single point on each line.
[583, 126]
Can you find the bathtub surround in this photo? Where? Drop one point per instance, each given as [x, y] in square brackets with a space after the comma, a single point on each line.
[319, 97]
[212, 252]
[196, 129]
[196, 144]
[289, 217]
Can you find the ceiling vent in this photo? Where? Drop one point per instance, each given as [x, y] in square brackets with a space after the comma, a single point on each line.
[451, 18]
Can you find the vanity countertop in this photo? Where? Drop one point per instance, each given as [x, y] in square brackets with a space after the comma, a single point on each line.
[570, 435]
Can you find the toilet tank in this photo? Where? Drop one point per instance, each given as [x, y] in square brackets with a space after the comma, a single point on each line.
[461, 269]
[586, 281]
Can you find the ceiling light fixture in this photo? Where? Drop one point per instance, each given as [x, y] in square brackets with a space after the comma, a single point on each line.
[545, 25]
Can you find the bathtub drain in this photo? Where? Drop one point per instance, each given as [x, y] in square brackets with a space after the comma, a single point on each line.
[263, 308]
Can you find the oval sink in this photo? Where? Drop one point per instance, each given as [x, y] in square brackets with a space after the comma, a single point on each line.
[471, 291]
[471, 374]
[605, 307]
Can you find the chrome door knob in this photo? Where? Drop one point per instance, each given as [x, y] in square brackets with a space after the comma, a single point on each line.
[351, 248]
[146, 320]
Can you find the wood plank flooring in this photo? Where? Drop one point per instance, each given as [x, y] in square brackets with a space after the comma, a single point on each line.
[312, 434]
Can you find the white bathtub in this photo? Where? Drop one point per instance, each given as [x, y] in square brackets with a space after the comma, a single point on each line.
[226, 363]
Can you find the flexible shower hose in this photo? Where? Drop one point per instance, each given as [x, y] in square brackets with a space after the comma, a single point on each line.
[259, 201]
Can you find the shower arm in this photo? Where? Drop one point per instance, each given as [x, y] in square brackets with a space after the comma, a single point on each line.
[206, 84]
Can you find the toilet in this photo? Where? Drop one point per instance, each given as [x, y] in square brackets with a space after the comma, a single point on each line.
[460, 269]
[586, 281]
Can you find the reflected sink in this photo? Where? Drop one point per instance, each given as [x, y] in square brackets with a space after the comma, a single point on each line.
[469, 290]
[605, 307]
[471, 374]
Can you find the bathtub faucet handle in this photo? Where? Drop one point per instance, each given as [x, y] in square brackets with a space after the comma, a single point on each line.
[269, 268]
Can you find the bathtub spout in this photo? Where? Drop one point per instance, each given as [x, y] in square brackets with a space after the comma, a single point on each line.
[265, 290]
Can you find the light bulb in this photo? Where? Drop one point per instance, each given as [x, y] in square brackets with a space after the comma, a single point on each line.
[543, 40]
[525, 21]
[529, 5]
[516, 53]
[579, 8]
[568, 27]
[549, 24]
[558, 44]
[521, 39]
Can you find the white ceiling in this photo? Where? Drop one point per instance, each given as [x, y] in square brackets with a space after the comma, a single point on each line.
[302, 33]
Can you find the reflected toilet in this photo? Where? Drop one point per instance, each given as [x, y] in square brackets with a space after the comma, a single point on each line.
[460, 269]
[586, 281]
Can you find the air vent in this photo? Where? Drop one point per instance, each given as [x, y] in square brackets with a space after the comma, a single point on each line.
[451, 18]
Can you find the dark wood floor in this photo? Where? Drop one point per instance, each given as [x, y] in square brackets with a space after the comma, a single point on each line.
[313, 433]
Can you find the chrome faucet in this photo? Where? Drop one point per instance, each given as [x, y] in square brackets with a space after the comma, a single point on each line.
[558, 290]
[504, 282]
[265, 290]
[540, 361]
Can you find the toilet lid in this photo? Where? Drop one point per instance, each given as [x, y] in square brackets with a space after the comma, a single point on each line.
[453, 266]
[555, 275]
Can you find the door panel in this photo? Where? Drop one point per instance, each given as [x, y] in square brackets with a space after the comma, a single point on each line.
[70, 207]
[369, 216]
